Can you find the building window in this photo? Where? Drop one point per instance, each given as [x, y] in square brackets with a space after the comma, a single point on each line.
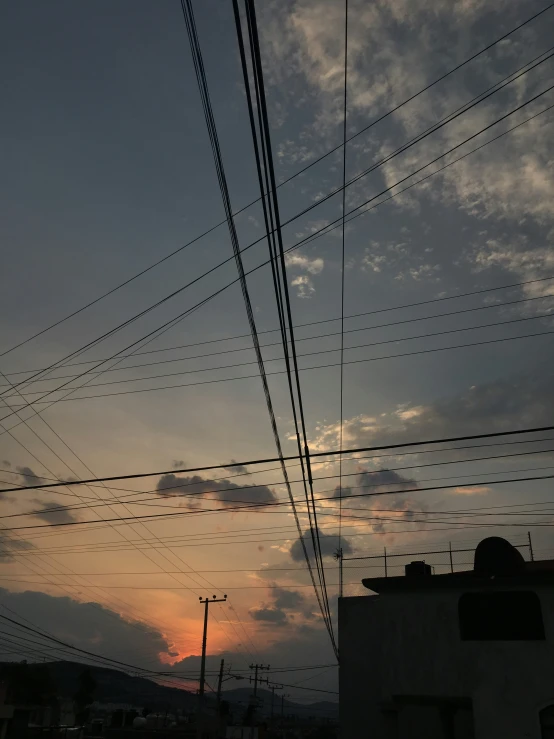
[428, 717]
[500, 616]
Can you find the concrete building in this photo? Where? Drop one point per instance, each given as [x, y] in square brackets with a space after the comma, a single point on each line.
[465, 655]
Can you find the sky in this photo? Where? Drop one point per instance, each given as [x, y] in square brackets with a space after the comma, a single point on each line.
[107, 169]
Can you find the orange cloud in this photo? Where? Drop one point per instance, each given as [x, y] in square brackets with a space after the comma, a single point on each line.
[472, 490]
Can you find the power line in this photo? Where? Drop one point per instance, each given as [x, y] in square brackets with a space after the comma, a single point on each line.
[343, 244]
[307, 239]
[188, 15]
[314, 323]
[204, 493]
[278, 267]
[154, 516]
[317, 336]
[250, 463]
[283, 528]
[428, 132]
[272, 469]
[357, 208]
[324, 232]
[341, 349]
[321, 232]
[304, 169]
[281, 372]
[54, 566]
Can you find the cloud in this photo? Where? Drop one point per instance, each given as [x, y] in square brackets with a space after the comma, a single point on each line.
[100, 629]
[287, 599]
[383, 480]
[303, 282]
[312, 265]
[53, 512]
[521, 401]
[524, 260]
[238, 469]
[272, 615]
[328, 544]
[9, 546]
[305, 286]
[28, 477]
[224, 491]
[91, 626]
[282, 600]
[472, 490]
[386, 481]
[394, 50]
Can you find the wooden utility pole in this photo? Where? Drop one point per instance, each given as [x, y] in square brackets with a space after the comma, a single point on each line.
[273, 689]
[206, 603]
[220, 680]
[283, 696]
[257, 667]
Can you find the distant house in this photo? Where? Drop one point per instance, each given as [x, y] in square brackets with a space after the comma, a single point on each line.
[465, 655]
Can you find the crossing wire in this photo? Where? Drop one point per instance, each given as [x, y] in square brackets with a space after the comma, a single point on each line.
[292, 247]
[315, 323]
[266, 135]
[301, 171]
[343, 244]
[270, 215]
[307, 338]
[188, 15]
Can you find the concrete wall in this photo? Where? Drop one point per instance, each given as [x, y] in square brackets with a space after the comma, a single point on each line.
[409, 644]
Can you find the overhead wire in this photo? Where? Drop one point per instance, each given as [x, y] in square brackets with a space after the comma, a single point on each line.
[299, 243]
[271, 223]
[427, 132]
[321, 336]
[257, 70]
[281, 372]
[14, 552]
[157, 516]
[311, 236]
[356, 458]
[188, 15]
[325, 453]
[110, 504]
[171, 295]
[343, 264]
[327, 320]
[301, 171]
[203, 494]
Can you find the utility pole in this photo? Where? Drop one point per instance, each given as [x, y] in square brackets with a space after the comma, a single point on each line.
[257, 667]
[273, 689]
[221, 666]
[283, 696]
[206, 603]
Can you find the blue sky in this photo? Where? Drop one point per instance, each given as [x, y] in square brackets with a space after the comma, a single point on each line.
[107, 168]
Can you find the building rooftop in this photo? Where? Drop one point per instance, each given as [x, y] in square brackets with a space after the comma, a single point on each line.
[496, 563]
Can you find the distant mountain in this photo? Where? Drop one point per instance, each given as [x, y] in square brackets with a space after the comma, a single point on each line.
[241, 696]
[114, 686]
